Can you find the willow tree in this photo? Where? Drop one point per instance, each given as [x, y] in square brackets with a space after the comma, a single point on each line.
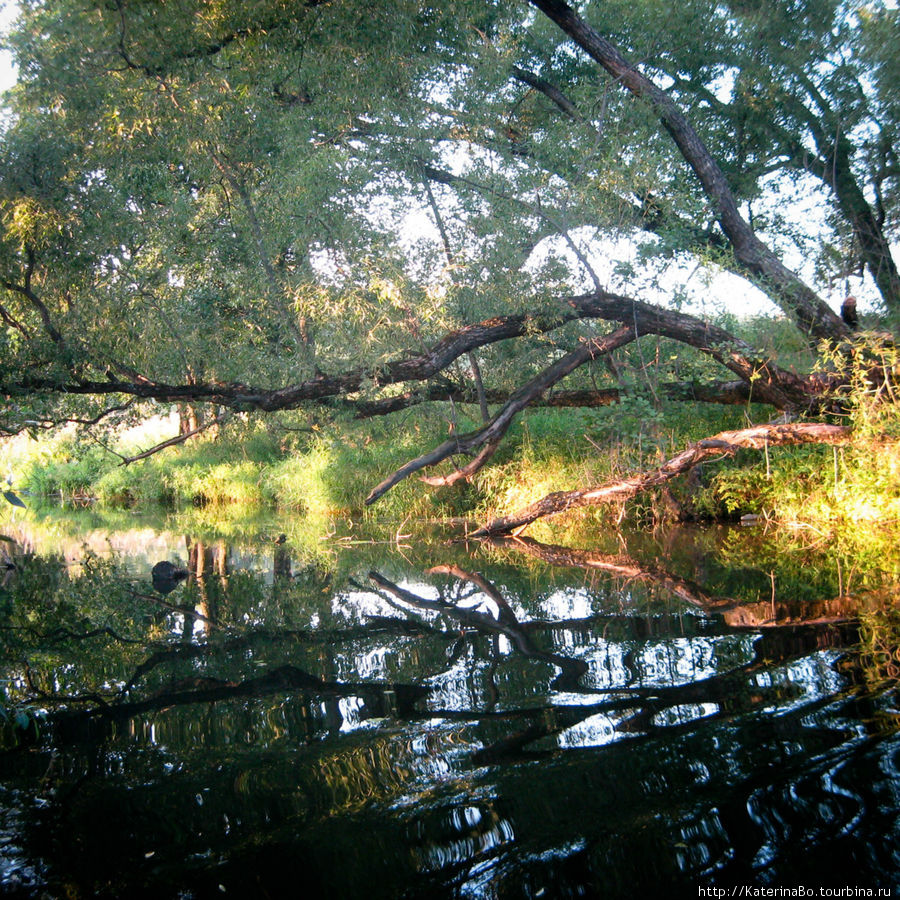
[784, 90]
[261, 206]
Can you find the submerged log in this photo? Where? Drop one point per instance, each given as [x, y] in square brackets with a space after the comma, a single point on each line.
[726, 443]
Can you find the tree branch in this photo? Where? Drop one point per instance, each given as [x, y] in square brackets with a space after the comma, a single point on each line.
[55, 423]
[618, 565]
[491, 434]
[274, 285]
[178, 439]
[448, 253]
[768, 383]
[11, 321]
[205, 51]
[26, 291]
[550, 91]
[505, 624]
[726, 443]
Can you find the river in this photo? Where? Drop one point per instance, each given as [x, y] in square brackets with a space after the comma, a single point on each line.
[412, 715]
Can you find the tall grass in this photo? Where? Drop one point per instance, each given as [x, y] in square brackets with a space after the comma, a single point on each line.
[836, 485]
[321, 473]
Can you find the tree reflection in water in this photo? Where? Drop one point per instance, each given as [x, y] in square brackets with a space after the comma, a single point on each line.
[527, 721]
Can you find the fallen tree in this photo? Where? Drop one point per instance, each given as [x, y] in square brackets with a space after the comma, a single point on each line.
[769, 383]
[726, 443]
[766, 382]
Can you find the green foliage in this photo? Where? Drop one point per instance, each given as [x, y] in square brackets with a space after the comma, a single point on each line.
[816, 484]
[879, 637]
[239, 194]
[333, 474]
[48, 610]
[324, 474]
[198, 186]
[870, 363]
[20, 724]
[859, 482]
[64, 467]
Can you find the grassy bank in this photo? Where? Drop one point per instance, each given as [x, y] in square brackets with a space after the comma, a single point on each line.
[329, 474]
[325, 467]
[252, 464]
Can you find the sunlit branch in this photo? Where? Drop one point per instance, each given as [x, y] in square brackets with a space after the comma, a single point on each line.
[178, 439]
[726, 443]
[769, 385]
[490, 435]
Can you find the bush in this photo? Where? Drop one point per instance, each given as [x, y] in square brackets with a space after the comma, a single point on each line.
[67, 468]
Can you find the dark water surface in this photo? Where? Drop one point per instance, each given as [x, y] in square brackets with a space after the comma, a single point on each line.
[660, 713]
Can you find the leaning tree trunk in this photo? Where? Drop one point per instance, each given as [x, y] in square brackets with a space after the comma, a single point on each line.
[812, 314]
[768, 383]
[870, 238]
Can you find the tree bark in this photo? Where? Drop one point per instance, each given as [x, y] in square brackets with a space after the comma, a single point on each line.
[873, 245]
[769, 384]
[491, 434]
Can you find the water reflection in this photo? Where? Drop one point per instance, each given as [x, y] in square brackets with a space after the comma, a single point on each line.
[518, 720]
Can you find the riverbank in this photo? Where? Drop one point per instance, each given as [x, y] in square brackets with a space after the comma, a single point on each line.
[327, 473]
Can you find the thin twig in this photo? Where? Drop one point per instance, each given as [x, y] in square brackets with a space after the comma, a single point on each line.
[179, 439]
